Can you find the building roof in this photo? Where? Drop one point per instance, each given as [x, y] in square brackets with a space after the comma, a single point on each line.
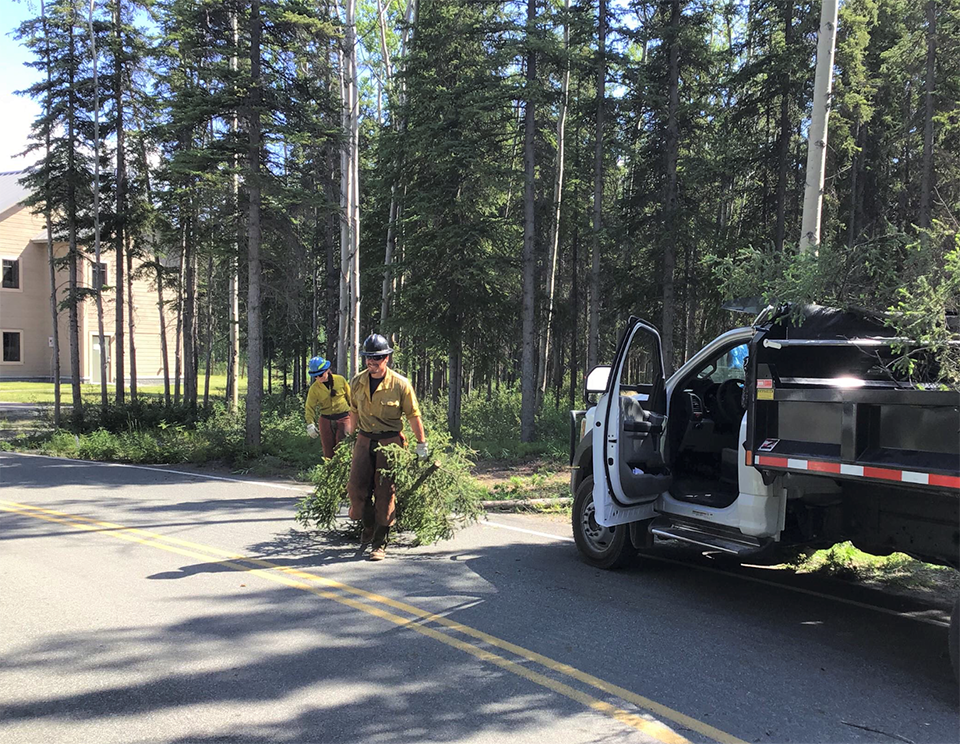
[11, 192]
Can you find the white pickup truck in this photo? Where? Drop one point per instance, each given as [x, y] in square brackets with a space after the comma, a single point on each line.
[792, 431]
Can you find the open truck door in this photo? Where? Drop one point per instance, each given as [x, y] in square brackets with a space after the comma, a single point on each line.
[629, 470]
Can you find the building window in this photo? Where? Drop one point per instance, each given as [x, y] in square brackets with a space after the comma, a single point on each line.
[11, 273]
[99, 275]
[11, 346]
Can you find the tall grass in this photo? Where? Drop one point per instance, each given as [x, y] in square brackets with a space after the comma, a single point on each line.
[150, 432]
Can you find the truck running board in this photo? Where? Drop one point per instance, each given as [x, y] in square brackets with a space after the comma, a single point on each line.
[723, 541]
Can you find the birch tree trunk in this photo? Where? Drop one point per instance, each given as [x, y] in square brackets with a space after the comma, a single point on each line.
[387, 290]
[164, 351]
[72, 249]
[528, 375]
[384, 51]
[343, 366]
[233, 282]
[208, 342]
[594, 313]
[55, 317]
[161, 309]
[131, 323]
[817, 137]
[177, 341]
[385, 293]
[121, 196]
[190, 312]
[927, 172]
[555, 210]
[670, 195]
[254, 329]
[48, 217]
[354, 196]
[96, 211]
[350, 196]
[333, 286]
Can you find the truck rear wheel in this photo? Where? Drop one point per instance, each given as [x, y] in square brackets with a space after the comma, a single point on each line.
[603, 547]
[955, 638]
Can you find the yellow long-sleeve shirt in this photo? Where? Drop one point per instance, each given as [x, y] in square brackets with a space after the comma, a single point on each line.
[324, 401]
[382, 411]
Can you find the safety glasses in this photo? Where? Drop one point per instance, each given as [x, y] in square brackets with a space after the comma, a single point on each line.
[376, 357]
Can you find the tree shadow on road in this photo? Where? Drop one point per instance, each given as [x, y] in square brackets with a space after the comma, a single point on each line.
[327, 673]
[703, 643]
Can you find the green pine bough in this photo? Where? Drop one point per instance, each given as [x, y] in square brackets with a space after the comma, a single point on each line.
[913, 279]
[435, 497]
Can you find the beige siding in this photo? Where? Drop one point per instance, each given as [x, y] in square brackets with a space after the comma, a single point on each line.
[146, 318]
[28, 310]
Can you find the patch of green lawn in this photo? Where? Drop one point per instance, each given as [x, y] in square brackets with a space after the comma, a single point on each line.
[41, 393]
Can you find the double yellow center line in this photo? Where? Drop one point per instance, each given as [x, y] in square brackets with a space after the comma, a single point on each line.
[421, 621]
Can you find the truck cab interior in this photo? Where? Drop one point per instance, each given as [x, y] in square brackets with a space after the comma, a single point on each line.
[703, 428]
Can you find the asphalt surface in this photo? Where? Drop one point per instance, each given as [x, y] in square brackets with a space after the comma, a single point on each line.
[158, 606]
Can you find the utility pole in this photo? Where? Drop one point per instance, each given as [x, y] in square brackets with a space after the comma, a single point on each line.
[817, 135]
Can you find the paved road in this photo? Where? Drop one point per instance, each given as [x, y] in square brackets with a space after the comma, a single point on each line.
[30, 408]
[157, 606]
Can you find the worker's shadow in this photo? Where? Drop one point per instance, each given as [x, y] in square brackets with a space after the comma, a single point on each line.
[294, 549]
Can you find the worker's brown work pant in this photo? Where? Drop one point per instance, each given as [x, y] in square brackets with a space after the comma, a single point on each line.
[332, 433]
[367, 480]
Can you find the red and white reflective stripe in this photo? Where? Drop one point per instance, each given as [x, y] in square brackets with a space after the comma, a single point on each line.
[860, 471]
[765, 384]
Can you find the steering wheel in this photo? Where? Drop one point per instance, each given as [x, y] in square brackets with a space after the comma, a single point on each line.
[730, 401]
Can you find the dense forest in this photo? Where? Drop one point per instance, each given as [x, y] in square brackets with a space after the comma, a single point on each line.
[495, 186]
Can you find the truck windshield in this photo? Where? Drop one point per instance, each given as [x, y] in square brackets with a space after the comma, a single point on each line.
[729, 366]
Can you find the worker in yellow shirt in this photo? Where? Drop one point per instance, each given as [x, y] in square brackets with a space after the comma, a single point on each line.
[328, 405]
[380, 398]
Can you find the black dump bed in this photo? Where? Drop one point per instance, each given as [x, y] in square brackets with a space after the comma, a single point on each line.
[824, 398]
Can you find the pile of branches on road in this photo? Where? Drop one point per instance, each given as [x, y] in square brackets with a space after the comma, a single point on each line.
[434, 497]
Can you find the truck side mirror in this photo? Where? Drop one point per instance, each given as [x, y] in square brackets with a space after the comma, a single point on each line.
[596, 381]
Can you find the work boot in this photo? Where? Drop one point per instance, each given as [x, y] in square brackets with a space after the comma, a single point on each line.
[379, 551]
[366, 536]
[369, 527]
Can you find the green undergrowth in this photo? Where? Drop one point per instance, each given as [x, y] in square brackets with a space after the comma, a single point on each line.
[896, 571]
[490, 425]
[539, 485]
[435, 497]
[148, 432]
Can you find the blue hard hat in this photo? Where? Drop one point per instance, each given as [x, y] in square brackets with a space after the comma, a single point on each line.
[317, 366]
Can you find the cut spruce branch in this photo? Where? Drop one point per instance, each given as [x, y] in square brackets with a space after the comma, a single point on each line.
[433, 499]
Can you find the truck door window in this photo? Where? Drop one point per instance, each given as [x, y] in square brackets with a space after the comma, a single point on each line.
[640, 367]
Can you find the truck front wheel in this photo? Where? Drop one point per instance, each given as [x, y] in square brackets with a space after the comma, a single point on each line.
[603, 547]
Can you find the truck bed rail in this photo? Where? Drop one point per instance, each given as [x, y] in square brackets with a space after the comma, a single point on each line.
[852, 420]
